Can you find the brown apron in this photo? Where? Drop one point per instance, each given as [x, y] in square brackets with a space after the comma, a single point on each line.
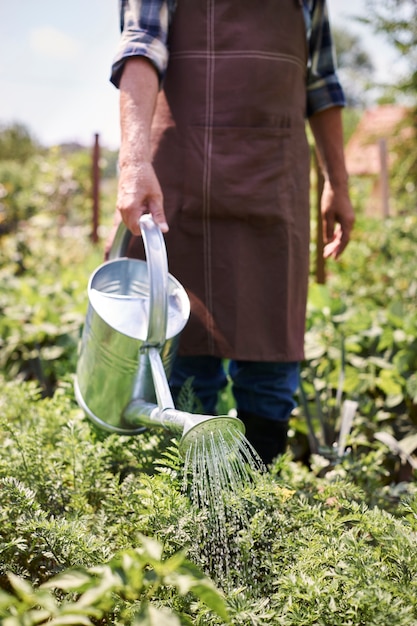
[232, 158]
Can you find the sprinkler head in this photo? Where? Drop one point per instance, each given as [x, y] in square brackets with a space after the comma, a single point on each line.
[199, 427]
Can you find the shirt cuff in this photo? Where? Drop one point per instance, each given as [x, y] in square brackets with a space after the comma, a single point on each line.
[153, 50]
[323, 95]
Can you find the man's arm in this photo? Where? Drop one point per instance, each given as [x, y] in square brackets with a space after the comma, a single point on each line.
[336, 208]
[139, 190]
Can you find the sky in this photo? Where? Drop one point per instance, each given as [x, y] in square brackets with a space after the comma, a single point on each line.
[55, 60]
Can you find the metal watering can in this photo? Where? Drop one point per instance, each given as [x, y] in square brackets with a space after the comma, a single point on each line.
[136, 313]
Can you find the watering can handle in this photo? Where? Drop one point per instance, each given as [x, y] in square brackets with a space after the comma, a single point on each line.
[157, 263]
[156, 257]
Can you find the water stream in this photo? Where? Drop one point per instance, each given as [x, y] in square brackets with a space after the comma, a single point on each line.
[216, 470]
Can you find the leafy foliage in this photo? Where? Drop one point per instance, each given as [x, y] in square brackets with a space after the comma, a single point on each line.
[76, 508]
[17, 143]
[57, 184]
[132, 579]
[396, 19]
[362, 332]
[40, 319]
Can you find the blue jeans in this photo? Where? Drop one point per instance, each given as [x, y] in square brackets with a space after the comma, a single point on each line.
[261, 388]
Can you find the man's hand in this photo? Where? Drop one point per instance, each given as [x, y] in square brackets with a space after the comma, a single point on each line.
[336, 208]
[338, 219]
[139, 192]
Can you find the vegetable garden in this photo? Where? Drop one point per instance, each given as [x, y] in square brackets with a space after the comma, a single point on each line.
[98, 529]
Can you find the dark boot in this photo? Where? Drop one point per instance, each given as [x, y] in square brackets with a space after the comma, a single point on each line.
[268, 437]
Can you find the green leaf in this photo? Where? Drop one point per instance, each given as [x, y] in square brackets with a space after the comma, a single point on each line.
[151, 548]
[70, 620]
[409, 444]
[208, 594]
[71, 580]
[319, 297]
[96, 595]
[22, 588]
[7, 600]
[174, 562]
[388, 382]
[396, 447]
[50, 353]
[411, 387]
[149, 615]
[190, 579]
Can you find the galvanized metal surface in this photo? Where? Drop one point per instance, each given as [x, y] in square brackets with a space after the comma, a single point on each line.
[135, 316]
[134, 306]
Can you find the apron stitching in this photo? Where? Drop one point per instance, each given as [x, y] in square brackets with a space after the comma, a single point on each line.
[208, 145]
[240, 54]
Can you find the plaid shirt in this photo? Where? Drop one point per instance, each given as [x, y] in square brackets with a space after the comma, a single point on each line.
[144, 25]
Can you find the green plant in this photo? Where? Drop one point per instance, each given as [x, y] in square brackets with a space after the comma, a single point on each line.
[361, 344]
[120, 592]
[74, 497]
[17, 143]
[40, 318]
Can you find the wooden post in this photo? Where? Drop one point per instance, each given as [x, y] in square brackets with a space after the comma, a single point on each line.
[320, 262]
[383, 160]
[96, 188]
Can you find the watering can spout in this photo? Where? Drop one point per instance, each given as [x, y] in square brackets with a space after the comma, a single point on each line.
[209, 429]
[193, 428]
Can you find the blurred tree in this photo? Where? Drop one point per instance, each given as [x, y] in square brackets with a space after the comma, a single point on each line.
[397, 21]
[355, 67]
[17, 143]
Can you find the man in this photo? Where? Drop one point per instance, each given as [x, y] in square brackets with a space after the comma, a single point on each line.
[213, 100]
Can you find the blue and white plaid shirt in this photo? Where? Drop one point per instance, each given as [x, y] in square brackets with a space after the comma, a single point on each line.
[144, 26]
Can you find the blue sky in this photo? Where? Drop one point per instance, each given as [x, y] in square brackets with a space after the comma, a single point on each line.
[55, 59]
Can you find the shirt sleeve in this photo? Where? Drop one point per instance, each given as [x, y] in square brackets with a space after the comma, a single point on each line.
[323, 87]
[144, 31]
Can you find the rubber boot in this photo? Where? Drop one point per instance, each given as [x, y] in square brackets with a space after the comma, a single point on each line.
[268, 437]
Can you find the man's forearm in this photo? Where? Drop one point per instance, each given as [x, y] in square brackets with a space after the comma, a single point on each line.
[138, 91]
[327, 129]
[139, 191]
[336, 209]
